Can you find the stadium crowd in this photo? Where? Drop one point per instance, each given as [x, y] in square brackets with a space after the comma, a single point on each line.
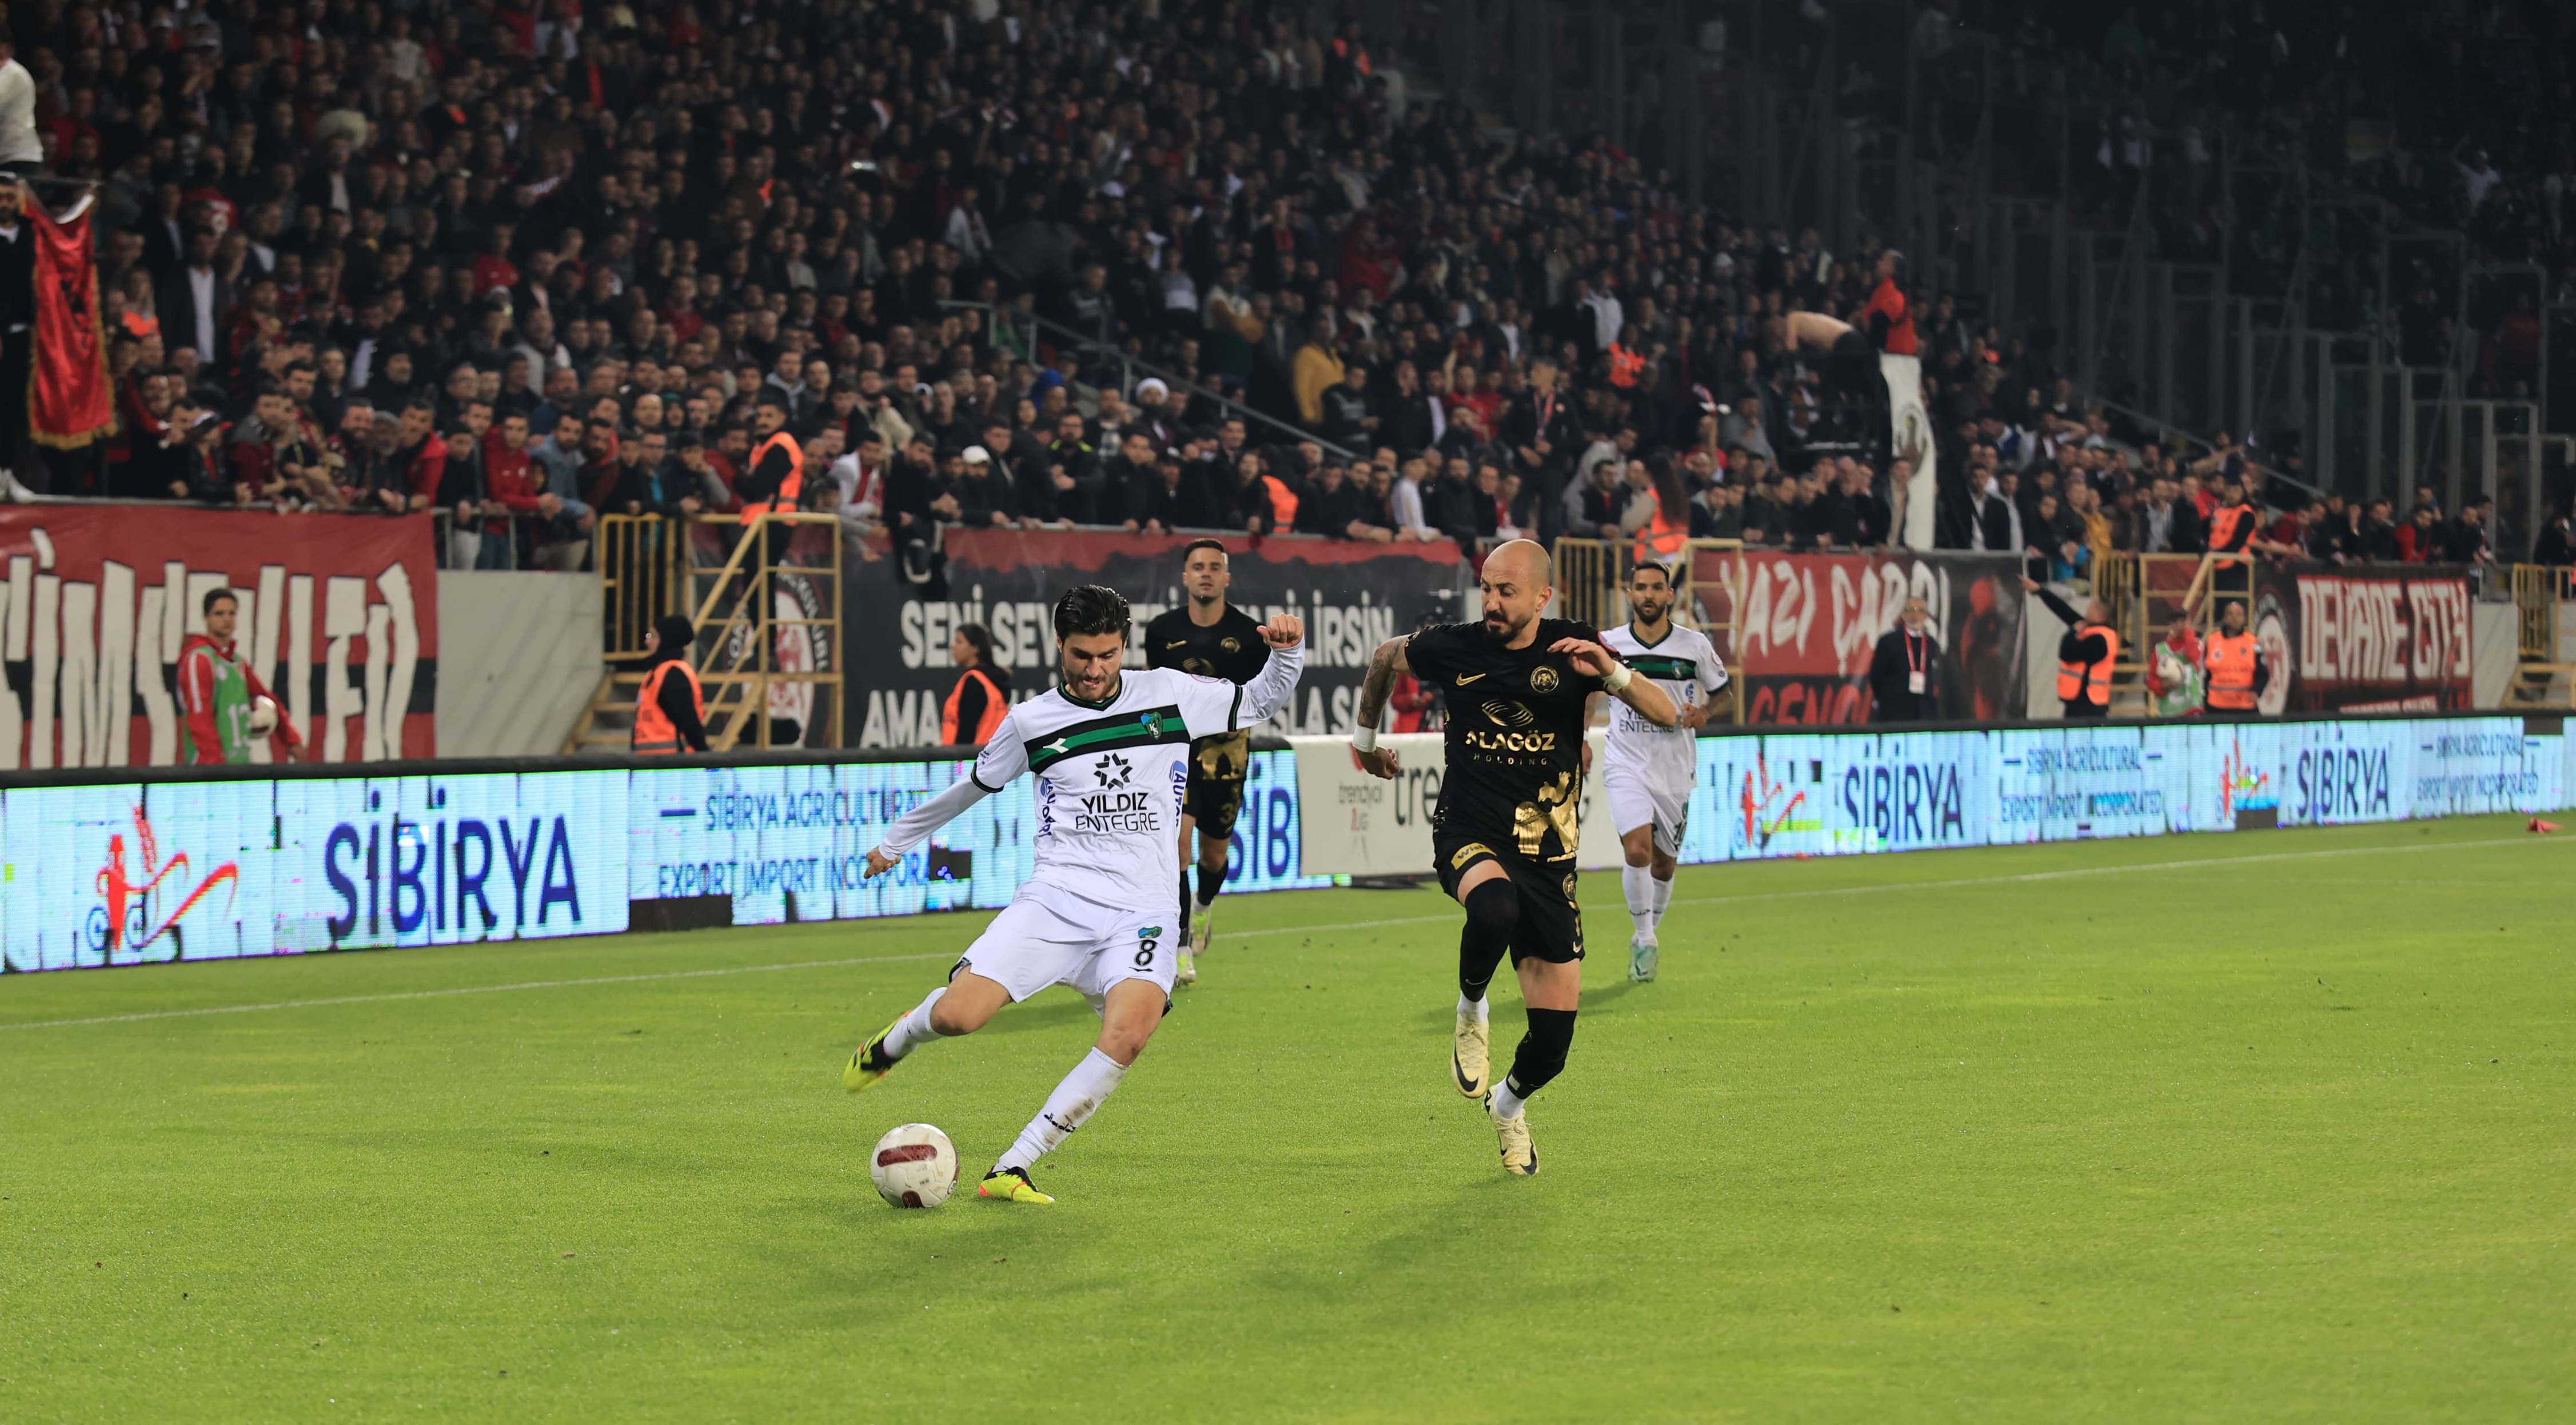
[529, 266]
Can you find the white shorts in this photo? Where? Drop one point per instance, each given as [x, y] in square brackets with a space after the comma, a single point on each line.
[1031, 945]
[1636, 801]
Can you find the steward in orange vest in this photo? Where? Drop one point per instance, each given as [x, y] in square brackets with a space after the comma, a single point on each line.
[975, 706]
[2231, 526]
[2234, 663]
[775, 478]
[2084, 655]
[670, 709]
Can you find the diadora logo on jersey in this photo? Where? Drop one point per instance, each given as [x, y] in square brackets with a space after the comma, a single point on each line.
[1112, 771]
[1509, 714]
[1543, 679]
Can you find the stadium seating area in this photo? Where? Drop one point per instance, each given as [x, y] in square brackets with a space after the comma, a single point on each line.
[975, 239]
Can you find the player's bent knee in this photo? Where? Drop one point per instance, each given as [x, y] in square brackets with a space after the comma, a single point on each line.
[969, 1005]
[1638, 845]
[1493, 906]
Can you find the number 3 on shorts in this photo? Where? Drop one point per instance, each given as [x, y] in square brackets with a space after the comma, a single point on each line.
[1146, 940]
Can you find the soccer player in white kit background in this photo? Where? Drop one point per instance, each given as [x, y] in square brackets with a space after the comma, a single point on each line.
[1110, 748]
[1648, 770]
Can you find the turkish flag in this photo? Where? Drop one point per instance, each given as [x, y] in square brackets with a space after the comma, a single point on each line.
[69, 401]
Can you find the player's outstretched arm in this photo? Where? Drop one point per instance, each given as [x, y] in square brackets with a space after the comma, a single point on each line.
[914, 827]
[1277, 683]
[1384, 665]
[1644, 694]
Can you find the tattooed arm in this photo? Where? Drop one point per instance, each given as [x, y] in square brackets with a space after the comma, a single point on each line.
[1383, 667]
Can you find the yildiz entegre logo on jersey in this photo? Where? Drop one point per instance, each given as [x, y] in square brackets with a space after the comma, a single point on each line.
[1116, 807]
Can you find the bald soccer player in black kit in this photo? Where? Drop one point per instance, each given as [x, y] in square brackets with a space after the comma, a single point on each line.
[1505, 830]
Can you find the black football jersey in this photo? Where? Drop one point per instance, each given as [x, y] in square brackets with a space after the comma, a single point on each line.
[1515, 734]
[1232, 648]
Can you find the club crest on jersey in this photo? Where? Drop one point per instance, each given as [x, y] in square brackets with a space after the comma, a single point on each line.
[1543, 679]
[1112, 771]
[1230, 644]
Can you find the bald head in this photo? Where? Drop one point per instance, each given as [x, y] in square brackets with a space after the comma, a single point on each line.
[1527, 559]
[1516, 584]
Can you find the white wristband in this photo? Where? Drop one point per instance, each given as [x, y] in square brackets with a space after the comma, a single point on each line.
[1617, 678]
[1364, 739]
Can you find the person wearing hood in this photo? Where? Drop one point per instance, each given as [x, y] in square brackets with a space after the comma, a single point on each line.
[670, 709]
[224, 701]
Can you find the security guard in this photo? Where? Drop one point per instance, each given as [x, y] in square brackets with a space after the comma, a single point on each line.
[775, 480]
[2234, 663]
[2084, 654]
[670, 709]
[975, 706]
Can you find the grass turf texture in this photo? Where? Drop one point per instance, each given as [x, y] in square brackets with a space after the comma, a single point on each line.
[2055, 1133]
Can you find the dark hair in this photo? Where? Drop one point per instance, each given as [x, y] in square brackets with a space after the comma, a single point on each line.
[218, 596]
[1090, 609]
[1195, 545]
[1657, 565]
[980, 639]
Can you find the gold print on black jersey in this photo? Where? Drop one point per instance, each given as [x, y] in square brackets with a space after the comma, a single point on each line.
[1509, 714]
[1542, 679]
[1557, 805]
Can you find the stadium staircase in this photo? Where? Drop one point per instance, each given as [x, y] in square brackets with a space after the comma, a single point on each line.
[650, 566]
[2542, 676]
[2144, 591]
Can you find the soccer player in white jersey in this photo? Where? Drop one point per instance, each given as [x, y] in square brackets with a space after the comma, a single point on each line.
[1110, 748]
[1649, 769]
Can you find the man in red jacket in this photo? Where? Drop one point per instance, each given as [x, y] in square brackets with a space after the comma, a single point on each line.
[222, 696]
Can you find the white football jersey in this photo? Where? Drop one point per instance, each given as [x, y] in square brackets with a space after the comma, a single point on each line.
[1687, 666]
[1110, 777]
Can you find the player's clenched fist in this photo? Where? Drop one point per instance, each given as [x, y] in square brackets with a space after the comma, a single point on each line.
[879, 863]
[1377, 761]
[1284, 630]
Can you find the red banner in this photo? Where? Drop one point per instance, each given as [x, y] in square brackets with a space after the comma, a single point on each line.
[2366, 640]
[339, 615]
[68, 401]
[1809, 623]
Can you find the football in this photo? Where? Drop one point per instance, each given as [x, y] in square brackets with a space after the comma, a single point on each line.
[914, 1166]
[263, 716]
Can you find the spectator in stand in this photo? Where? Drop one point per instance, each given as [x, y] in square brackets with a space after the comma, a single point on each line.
[2555, 546]
[2466, 540]
[1904, 670]
[2419, 540]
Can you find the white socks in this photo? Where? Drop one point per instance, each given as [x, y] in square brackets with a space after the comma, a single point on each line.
[1507, 1104]
[913, 1030]
[1475, 1007]
[1073, 1101]
[1639, 883]
[1663, 898]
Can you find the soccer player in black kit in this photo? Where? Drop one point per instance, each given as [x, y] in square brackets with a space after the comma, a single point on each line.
[1213, 639]
[1504, 833]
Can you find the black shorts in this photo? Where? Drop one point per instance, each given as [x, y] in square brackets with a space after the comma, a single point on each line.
[1551, 923]
[1214, 796]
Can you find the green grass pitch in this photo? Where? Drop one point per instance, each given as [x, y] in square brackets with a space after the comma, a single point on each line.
[2269, 1126]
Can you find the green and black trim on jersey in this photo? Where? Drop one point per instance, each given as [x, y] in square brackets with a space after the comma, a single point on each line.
[1147, 728]
[1662, 667]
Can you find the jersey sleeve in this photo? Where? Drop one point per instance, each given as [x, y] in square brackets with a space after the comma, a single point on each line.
[1209, 706]
[1550, 630]
[1712, 669]
[1004, 755]
[1432, 653]
[1155, 655]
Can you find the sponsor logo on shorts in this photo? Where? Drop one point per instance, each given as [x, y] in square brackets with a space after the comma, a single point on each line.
[1459, 858]
[1569, 890]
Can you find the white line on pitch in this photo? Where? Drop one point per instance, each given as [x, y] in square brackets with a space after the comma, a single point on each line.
[2220, 862]
[479, 990]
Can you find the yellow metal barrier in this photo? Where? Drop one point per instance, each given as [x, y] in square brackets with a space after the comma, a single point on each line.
[649, 566]
[2541, 678]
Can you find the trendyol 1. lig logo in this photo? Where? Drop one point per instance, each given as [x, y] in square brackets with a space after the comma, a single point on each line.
[124, 917]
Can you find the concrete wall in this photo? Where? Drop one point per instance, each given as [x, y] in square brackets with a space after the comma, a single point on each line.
[518, 658]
